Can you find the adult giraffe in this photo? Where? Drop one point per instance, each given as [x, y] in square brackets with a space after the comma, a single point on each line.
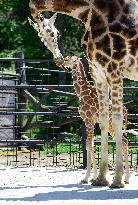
[111, 47]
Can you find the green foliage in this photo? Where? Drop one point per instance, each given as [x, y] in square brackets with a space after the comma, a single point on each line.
[17, 35]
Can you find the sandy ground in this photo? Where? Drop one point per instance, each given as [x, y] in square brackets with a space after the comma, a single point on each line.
[54, 186]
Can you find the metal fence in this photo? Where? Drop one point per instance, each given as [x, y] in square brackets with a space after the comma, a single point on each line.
[37, 102]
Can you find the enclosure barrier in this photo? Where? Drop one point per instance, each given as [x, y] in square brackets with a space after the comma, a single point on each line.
[37, 100]
[21, 153]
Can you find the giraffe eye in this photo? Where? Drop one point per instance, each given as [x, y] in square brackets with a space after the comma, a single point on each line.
[52, 34]
[41, 17]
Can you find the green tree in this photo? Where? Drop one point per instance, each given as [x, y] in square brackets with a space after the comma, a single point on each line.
[17, 35]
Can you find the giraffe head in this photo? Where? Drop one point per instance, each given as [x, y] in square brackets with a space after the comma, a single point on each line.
[48, 34]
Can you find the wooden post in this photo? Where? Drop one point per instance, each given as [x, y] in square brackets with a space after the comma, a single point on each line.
[20, 68]
[84, 136]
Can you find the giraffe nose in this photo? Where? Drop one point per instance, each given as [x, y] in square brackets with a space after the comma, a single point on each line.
[59, 61]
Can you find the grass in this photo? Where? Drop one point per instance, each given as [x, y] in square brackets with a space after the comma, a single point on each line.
[61, 148]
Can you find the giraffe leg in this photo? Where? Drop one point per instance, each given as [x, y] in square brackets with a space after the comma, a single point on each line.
[90, 153]
[117, 121]
[125, 153]
[95, 171]
[125, 147]
[103, 119]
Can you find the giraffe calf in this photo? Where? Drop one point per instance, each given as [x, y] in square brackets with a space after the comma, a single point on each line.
[89, 112]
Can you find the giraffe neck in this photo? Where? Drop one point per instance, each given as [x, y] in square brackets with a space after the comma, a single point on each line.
[77, 9]
[79, 79]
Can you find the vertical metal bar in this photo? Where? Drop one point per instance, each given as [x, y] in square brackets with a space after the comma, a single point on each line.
[113, 153]
[20, 68]
[137, 157]
[16, 154]
[70, 152]
[7, 153]
[30, 154]
[131, 157]
[98, 155]
[39, 154]
[56, 154]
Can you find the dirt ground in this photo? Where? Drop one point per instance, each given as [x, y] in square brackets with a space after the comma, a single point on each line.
[50, 186]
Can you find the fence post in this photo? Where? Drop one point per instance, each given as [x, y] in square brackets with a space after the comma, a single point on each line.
[20, 68]
[84, 136]
[62, 78]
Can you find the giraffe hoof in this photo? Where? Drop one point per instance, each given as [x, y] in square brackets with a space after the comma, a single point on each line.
[117, 185]
[100, 182]
[93, 181]
[83, 181]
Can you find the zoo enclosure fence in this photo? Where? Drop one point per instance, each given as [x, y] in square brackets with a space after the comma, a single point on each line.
[30, 102]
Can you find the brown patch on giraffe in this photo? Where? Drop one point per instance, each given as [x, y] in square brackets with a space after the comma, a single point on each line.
[133, 46]
[114, 87]
[126, 9]
[111, 67]
[101, 5]
[115, 28]
[117, 81]
[87, 121]
[84, 87]
[86, 36]
[129, 33]
[88, 114]
[86, 92]
[77, 88]
[68, 5]
[97, 24]
[90, 50]
[113, 11]
[122, 2]
[82, 114]
[84, 15]
[114, 75]
[114, 94]
[74, 78]
[119, 47]
[85, 48]
[95, 110]
[114, 102]
[116, 109]
[32, 11]
[103, 60]
[128, 21]
[38, 3]
[81, 82]
[104, 45]
[86, 98]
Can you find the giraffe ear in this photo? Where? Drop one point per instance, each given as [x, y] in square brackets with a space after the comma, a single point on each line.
[52, 19]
